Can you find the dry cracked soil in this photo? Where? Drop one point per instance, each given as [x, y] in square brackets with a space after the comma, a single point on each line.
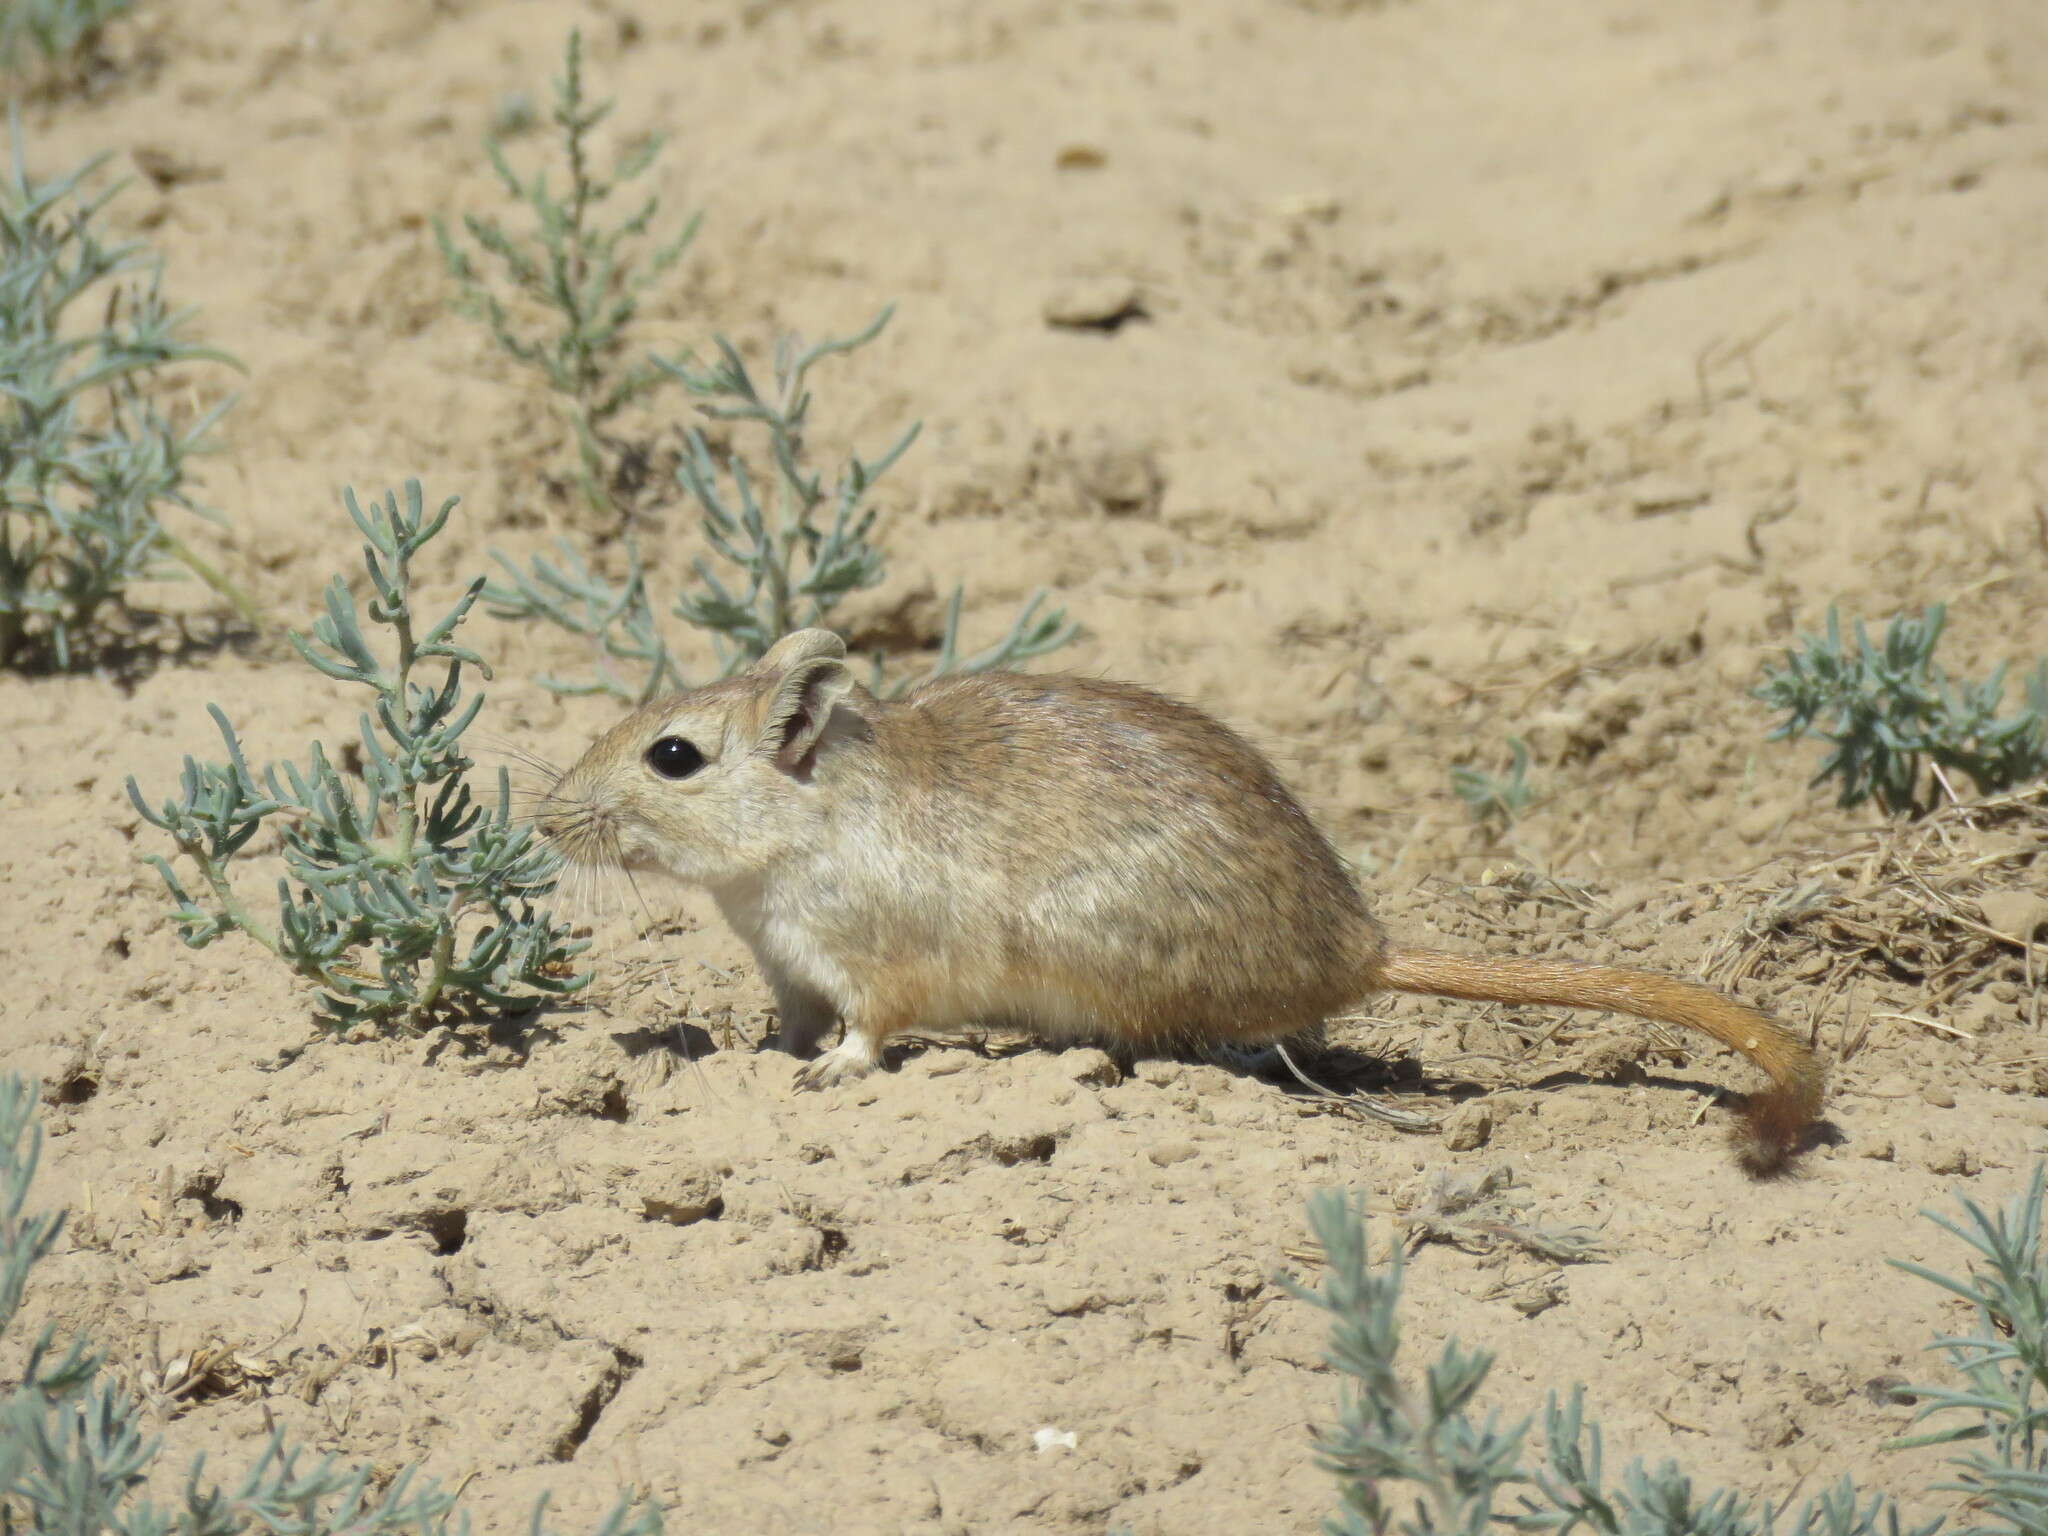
[1392, 379]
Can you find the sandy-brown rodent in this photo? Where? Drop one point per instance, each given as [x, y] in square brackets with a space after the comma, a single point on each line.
[1086, 859]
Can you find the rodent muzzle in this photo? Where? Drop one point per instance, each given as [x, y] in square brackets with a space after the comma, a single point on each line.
[578, 828]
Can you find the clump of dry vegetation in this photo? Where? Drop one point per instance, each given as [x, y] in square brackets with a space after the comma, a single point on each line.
[1909, 920]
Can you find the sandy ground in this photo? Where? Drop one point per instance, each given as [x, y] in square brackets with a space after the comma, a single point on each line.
[1501, 370]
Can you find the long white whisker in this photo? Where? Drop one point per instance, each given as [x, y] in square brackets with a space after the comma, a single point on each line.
[598, 881]
[501, 747]
[667, 977]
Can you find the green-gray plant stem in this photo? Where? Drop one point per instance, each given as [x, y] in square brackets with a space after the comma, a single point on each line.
[59, 30]
[1890, 710]
[88, 462]
[588, 277]
[403, 867]
[1411, 1459]
[771, 569]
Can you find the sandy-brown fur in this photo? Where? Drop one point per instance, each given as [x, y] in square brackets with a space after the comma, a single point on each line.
[1078, 856]
[1774, 1120]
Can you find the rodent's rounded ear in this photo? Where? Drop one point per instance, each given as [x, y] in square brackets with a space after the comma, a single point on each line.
[798, 645]
[802, 704]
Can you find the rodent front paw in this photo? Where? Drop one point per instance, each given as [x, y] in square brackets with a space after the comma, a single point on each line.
[846, 1061]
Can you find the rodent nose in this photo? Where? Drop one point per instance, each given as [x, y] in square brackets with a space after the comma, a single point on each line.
[546, 816]
[569, 822]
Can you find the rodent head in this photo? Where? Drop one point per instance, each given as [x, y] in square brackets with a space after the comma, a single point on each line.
[714, 785]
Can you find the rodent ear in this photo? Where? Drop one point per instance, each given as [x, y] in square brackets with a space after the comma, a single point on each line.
[798, 645]
[802, 705]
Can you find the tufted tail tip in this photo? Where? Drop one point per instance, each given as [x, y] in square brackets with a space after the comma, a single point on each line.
[1777, 1125]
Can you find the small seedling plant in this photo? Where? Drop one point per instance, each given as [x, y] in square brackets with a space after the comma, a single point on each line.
[59, 31]
[584, 276]
[1895, 717]
[2002, 1360]
[781, 559]
[1411, 1456]
[89, 459]
[405, 897]
[1497, 799]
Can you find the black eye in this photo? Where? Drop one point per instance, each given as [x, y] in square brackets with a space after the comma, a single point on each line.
[674, 758]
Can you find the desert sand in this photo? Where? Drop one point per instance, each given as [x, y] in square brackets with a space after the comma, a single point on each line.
[1457, 373]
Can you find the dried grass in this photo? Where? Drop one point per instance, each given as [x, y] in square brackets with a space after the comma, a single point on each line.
[1890, 928]
[1902, 911]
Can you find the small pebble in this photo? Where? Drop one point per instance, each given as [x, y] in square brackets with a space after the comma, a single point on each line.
[1951, 1157]
[1469, 1128]
[1093, 303]
[2016, 914]
[681, 1191]
[1093, 1067]
[1939, 1096]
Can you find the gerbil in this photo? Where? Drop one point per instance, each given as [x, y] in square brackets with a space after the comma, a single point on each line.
[1086, 859]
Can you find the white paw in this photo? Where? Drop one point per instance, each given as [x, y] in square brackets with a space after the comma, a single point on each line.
[851, 1058]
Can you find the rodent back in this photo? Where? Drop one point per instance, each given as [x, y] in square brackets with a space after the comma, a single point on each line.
[1108, 834]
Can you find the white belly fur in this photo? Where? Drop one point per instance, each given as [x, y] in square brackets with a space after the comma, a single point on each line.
[796, 918]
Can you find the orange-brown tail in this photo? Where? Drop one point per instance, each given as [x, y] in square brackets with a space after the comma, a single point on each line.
[1776, 1120]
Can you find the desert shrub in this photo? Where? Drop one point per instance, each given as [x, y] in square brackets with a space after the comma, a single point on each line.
[405, 895]
[89, 461]
[1892, 711]
[1497, 799]
[73, 1454]
[772, 568]
[1410, 1454]
[788, 564]
[2003, 1362]
[583, 277]
[58, 30]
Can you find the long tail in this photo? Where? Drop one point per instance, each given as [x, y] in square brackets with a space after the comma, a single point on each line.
[1776, 1120]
